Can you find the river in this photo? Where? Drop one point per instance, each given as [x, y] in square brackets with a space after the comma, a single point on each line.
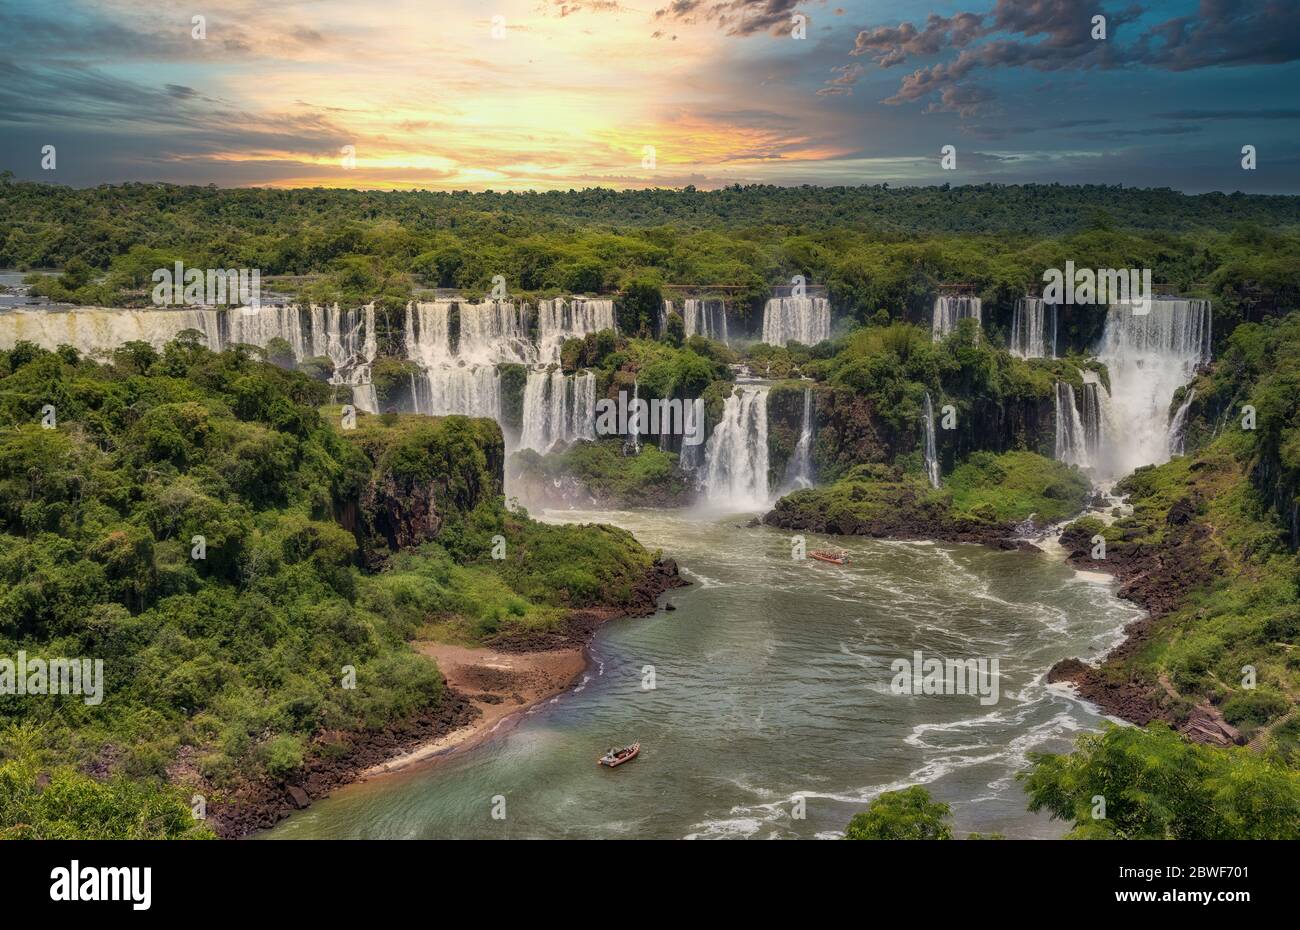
[772, 683]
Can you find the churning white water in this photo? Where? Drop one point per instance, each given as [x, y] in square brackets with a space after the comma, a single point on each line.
[735, 456]
[799, 470]
[796, 319]
[949, 310]
[1033, 334]
[931, 450]
[1149, 356]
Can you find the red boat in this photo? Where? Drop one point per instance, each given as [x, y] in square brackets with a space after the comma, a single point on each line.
[616, 757]
[835, 558]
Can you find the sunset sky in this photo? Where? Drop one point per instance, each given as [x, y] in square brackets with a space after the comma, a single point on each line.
[573, 92]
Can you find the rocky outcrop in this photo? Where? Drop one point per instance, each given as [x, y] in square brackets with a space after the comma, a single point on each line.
[1157, 576]
[336, 759]
[424, 473]
[581, 625]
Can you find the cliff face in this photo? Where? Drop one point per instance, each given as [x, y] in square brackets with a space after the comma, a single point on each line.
[425, 475]
[849, 430]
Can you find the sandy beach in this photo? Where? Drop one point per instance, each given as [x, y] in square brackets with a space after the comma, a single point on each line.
[499, 685]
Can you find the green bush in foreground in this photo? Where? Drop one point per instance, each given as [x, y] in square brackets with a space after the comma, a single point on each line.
[910, 814]
[1156, 785]
[60, 803]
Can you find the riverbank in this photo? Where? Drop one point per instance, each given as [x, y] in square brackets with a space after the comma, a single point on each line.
[485, 686]
[1166, 557]
[763, 645]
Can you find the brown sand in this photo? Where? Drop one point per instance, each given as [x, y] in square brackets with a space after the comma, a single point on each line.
[500, 684]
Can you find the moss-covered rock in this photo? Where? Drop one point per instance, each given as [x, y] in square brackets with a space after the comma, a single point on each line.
[984, 501]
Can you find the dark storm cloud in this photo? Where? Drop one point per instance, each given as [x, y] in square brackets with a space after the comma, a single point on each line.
[1221, 32]
[736, 17]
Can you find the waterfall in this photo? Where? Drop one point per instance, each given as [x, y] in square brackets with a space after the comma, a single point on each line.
[495, 331]
[1070, 441]
[708, 319]
[1029, 332]
[473, 391]
[796, 319]
[931, 449]
[428, 332]
[1177, 439]
[455, 347]
[347, 338]
[96, 332]
[1092, 415]
[634, 417]
[558, 320]
[735, 457]
[948, 310]
[1149, 355]
[558, 409]
[258, 326]
[798, 471]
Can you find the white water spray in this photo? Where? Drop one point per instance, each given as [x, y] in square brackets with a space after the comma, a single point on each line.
[735, 457]
[1149, 356]
[796, 319]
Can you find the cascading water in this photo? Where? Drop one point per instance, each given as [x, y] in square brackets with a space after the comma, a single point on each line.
[705, 318]
[443, 390]
[931, 452]
[558, 320]
[796, 319]
[1092, 415]
[558, 409]
[949, 310]
[1149, 356]
[97, 332]
[735, 456]
[462, 379]
[345, 337]
[634, 423]
[1178, 425]
[493, 332]
[1071, 438]
[1031, 336]
[799, 470]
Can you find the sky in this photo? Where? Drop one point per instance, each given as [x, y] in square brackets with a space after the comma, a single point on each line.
[559, 94]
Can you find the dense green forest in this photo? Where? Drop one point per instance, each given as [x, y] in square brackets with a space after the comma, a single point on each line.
[320, 554]
[877, 250]
[228, 665]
